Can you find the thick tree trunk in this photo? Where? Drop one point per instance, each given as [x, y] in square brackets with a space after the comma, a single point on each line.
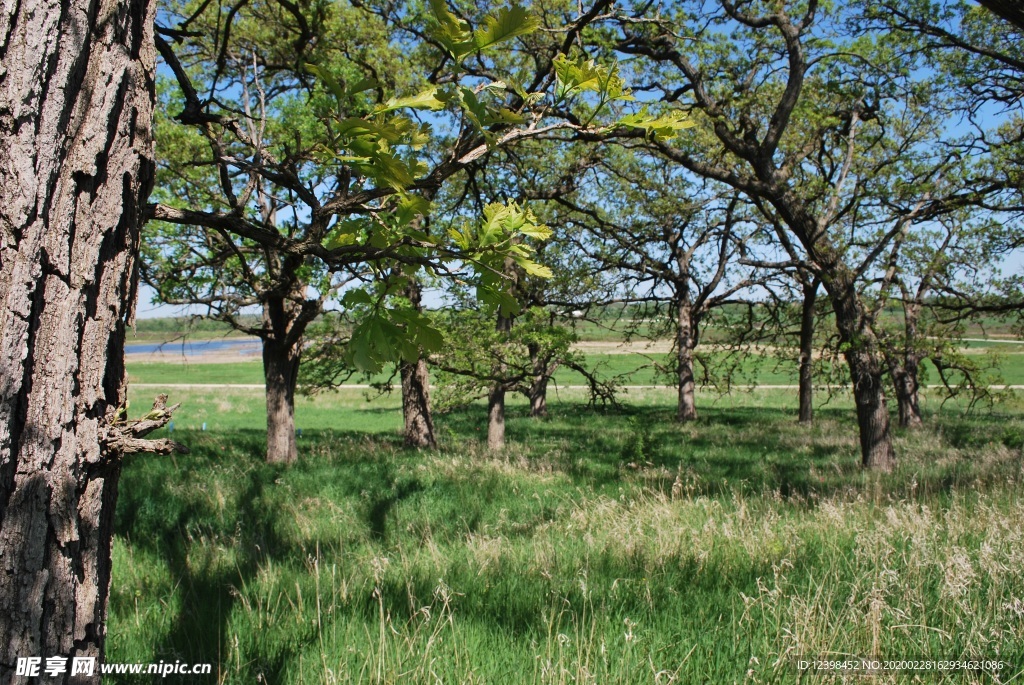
[539, 384]
[281, 372]
[686, 341]
[872, 411]
[76, 167]
[282, 352]
[419, 426]
[810, 292]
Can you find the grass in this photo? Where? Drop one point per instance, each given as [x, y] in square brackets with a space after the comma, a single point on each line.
[602, 547]
[631, 368]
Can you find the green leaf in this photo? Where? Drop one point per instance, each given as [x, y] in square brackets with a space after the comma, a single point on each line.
[428, 99]
[363, 84]
[508, 23]
[582, 75]
[344, 233]
[329, 81]
[579, 74]
[664, 127]
[507, 116]
[410, 207]
[496, 297]
[532, 268]
[451, 31]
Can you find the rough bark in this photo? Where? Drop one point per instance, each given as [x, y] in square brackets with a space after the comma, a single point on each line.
[281, 372]
[686, 341]
[284, 323]
[905, 375]
[76, 167]
[806, 391]
[539, 397]
[419, 425]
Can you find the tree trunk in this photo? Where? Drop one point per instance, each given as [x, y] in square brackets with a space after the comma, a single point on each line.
[539, 397]
[810, 291]
[496, 418]
[76, 167]
[281, 371]
[419, 426]
[496, 399]
[685, 343]
[539, 384]
[904, 379]
[282, 351]
[864, 360]
[907, 385]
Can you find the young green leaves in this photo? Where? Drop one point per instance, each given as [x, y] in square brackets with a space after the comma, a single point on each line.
[460, 40]
[579, 76]
[658, 128]
[497, 241]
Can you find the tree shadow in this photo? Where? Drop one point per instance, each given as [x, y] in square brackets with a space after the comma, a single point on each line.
[176, 531]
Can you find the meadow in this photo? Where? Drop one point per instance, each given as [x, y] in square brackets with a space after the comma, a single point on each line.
[1005, 363]
[604, 546]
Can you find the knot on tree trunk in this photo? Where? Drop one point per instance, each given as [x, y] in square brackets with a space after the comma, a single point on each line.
[127, 436]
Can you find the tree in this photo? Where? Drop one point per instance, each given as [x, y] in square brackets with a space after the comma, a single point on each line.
[360, 175]
[498, 355]
[260, 166]
[801, 126]
[675, 245]
[76, 166]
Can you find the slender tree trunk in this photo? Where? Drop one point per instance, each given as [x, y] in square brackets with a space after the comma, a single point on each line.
[76, 167]
[904, 379]
[539, 397]
[419, 424]
[282, 352]
[496, 399]
[810, 292]
[864, 360]
[496, 418]
[907, 386]
[685, 343]
[539, 384]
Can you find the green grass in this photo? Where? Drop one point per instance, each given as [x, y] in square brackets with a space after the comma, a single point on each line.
[245, 373]
[630, 369]
[602, 547]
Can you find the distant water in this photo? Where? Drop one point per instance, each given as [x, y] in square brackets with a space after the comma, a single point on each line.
[190, 348]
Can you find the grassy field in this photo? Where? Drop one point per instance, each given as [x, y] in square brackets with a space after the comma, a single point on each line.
[602, 547]
[630, 368]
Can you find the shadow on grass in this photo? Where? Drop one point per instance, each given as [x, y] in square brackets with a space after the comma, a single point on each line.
[153, 518]
[754, 450]
[215, 517]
